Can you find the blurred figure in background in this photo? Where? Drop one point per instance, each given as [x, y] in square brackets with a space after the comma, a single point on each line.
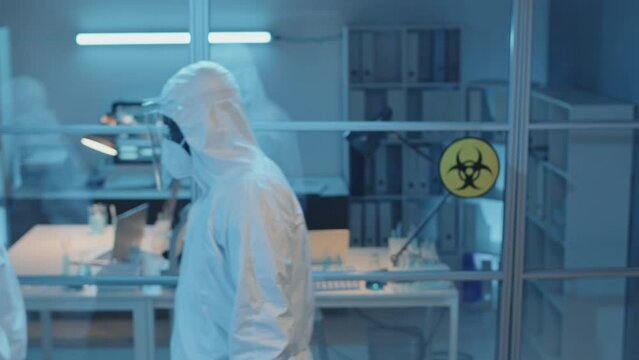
[43, 163]
[281, 146]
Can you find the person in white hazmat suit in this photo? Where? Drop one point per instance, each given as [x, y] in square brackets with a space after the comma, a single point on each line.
[245, 288]
[13, 319]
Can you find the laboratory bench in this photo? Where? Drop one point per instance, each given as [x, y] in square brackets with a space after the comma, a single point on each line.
[39, 253]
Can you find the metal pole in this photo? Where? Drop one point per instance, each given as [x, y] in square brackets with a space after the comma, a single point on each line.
[172, 280]
[592, 273]
[6, 151]
[199, 29]
[519, 113]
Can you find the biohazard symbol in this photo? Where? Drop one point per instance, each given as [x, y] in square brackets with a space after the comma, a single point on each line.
[469, 171]
[469, 167]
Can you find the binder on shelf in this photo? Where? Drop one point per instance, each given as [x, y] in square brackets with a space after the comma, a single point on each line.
[388, 56]
[447, 230]
[442, 105]
[475, 105]
[355, 57]
[355, 223]
[357, 105]
[439, 55]
[396, 100]
[453, 44]
[410, 216]
[394, 168]
[410, 172]
[370, 224]
[425, 56]
[423, 173]
[370, 176]
[368, 57]
[381, 170]
[412, 57]
[385, 222]
[500, 106]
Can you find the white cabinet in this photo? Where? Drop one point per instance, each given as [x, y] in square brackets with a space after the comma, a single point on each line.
[577, 217]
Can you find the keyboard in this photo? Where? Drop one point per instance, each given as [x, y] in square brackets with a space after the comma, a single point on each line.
[335, 285]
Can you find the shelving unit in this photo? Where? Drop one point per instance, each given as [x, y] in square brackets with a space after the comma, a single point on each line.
[416, 72]
[574, 189]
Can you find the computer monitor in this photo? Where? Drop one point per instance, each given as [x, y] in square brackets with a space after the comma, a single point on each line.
[129, 232]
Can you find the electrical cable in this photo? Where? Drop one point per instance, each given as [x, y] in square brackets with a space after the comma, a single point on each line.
[417, 333]
[424, 341]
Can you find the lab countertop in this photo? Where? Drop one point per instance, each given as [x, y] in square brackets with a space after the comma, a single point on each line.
[41, 250]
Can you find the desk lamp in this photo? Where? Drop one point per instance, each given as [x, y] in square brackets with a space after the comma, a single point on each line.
[100, 144]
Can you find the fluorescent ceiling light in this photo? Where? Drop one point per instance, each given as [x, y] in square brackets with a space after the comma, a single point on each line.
[99, 144]
[240, 37]
[171, 38]
[159, 38]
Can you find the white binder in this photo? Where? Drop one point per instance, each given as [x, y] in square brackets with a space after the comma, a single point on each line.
[355, 223]
[439, 55]
[413, 57]
[368, 57]
[357, 105]
[385, 222]
[370, 220]
[442, 105]
[396, 99]
[381, 170]
[355, 57]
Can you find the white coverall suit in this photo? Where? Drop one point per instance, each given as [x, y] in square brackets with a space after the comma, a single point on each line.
[13, 321]
[245, 288]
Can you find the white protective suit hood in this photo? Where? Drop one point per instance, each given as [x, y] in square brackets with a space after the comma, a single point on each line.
[13, 320]
[210, 115]
[245, 289]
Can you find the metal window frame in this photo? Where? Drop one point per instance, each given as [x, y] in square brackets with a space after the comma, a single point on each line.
[519, 112]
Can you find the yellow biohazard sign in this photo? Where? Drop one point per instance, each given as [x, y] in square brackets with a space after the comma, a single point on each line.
[469, 167]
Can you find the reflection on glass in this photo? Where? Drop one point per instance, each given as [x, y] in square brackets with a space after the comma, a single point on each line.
[579, 319]
[427, 329]
[394, 186]
[578, 198]
[281, 147]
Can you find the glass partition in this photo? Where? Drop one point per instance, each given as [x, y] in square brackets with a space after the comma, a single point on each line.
[60, 211]
[416, 61]
[577, 215]
[584, 318]
[579, 199]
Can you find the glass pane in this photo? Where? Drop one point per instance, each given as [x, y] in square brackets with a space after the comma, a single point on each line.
[580, 199]
[395, 187]
[415, 61]
[50, 77]
[57, 81]
[580, 319]
[57, 228]
[416, 332]
[583, 61]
